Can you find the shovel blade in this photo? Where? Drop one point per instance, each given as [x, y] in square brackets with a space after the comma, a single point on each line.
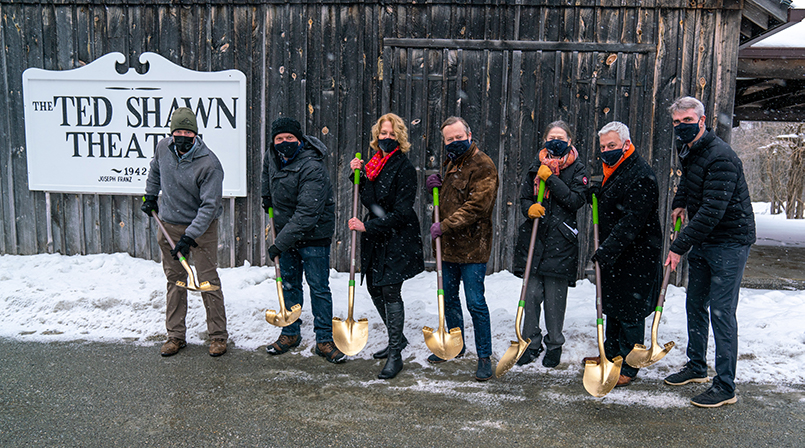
[283, 319]
[445, 345]
[512, 355]
[600, 377]
[640, 356]
[349, 336]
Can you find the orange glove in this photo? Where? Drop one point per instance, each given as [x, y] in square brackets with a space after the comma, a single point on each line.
[544, 172]
[536, 211]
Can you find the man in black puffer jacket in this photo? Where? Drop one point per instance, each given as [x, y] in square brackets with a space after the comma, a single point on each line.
[720, 229]
[297, 186]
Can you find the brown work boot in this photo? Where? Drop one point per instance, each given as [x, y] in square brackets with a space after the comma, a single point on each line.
[172, 346]
[595, 359]
[217, 347]
[624, 380]
[330, 352]
[283, 344]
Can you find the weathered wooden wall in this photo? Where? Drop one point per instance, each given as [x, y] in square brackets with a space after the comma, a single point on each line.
[509, 68]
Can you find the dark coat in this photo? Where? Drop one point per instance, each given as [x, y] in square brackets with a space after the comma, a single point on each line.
[467, 197]
[391, 247]
[302, 197]
[714, 191]
[556, 252]
[630, 239]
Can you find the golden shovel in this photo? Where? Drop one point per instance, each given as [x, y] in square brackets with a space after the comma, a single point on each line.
[192, 284]
[283, 318]
[640, 356]
[600, 377]
[444, 344]
[519, 346]
[349, 336]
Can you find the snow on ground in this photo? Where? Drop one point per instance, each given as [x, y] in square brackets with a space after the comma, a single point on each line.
[117, 298]
[776, 230]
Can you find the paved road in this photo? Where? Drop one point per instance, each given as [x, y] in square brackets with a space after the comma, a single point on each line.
[100, 395]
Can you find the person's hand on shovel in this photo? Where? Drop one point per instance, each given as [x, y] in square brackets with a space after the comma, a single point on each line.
[356, 224]
[183, 247]
[673, 257]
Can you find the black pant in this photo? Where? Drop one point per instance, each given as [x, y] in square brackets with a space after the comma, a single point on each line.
[621, 337]
[387, 293]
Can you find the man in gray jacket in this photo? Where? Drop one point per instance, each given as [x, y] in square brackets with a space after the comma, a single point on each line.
[296, 184]
[191, 180]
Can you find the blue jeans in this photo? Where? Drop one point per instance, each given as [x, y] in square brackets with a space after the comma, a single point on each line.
[714, 280]
[472, 274]
[315, 262]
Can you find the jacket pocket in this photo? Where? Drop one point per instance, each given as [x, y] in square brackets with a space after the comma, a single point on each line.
[570, 233]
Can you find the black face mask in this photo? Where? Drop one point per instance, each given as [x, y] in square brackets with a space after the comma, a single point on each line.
[686, 132]
[183, 144]
[288, 149]
[457, 148]
[557, 148]
[387, 144]
[611, 157]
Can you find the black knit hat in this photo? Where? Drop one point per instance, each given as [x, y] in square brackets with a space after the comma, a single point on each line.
[286, 124]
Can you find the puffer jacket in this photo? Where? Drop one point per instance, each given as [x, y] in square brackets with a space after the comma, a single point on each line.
[391, 247]
[630, 240]
[191, 187]
[302, 196]
[556, 251]
[467, 197]
[714, 191]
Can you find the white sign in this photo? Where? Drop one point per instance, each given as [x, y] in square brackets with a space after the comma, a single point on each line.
[93, 130]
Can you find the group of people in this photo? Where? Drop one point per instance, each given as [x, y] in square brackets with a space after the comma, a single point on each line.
[712, 199]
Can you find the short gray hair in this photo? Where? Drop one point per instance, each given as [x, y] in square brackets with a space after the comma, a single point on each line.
[687, 103]
[616, 126]
[454, 120]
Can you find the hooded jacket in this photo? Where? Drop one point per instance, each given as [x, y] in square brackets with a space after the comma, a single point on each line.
[556, 251]
[391, 247]
[301, 195]
[467, 197]
[191, 187]
[714, 191]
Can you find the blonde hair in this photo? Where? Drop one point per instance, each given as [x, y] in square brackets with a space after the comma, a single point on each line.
[400, 131]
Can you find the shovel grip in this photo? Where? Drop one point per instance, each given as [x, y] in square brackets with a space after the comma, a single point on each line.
[357, 172]
[436, 197]
[595, 209]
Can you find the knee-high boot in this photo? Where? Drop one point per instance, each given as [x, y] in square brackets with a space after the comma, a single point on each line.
[395, 320]
[380, 305]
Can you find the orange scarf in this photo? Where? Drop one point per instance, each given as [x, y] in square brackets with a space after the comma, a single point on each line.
[376, 164]
[556, 164]
[608, 170]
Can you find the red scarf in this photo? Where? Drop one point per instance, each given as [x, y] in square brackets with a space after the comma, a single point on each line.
[376, 164]
[556, 164]
[608, 170]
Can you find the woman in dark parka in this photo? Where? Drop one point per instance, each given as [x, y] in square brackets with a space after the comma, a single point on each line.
[391, 245]
[553, 268]
[630, 243]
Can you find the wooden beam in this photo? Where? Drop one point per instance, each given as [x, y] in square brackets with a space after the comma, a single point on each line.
[480, 44]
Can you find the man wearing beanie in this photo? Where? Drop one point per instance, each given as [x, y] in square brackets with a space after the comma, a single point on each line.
[296, 184]
[191, 180]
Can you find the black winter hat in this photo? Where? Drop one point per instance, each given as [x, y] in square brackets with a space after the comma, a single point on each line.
[286, 124]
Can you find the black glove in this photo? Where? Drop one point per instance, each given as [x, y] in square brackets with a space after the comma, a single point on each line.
[183, 245]
[594, 188]
[601, 258]
[149, 204]
[273, 252]
[266, 203]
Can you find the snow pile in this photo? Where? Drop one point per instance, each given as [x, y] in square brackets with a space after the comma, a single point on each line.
[117, 298]
[776, 230]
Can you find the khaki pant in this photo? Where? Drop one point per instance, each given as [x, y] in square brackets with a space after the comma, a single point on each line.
[205, 259]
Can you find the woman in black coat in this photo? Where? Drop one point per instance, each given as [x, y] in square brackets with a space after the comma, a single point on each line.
[553, 268]
[391, 245]
[630, 243]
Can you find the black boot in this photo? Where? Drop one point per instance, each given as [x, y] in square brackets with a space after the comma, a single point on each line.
[395, 319]
[380, 305]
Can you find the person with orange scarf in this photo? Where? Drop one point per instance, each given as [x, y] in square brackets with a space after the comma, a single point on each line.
[391, 246]
[556, 250]
[630, 244]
